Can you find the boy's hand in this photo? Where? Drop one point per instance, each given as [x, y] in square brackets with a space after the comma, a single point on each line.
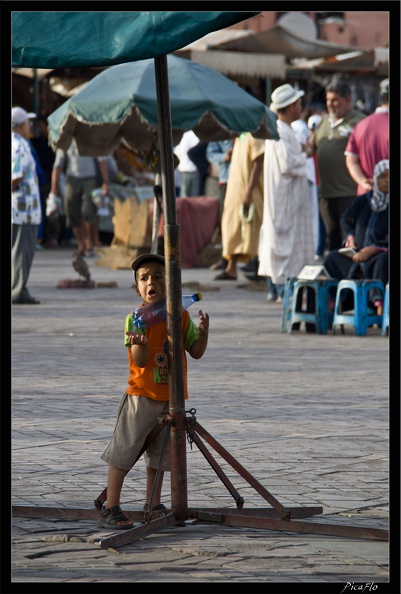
[137, 339]
[203, 323]
[198, 348]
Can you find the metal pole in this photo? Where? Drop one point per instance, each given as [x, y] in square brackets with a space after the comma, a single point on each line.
[156, 214]
[172, 253]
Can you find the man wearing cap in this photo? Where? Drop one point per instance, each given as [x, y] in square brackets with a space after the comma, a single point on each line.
[286, 237]
[369, 143]
[26, 212]
[337, 187]
[81, 179]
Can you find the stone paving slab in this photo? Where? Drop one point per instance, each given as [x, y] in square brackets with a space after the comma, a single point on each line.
[307, 415]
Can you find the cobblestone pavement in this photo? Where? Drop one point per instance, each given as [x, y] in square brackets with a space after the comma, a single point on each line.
[306, 414]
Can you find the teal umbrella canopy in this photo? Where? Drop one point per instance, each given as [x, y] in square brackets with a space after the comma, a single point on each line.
[58, 39]
[119, 105]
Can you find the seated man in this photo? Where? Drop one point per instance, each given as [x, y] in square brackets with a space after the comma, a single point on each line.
[365, 228]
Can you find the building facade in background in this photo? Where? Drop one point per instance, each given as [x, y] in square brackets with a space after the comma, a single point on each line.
[359, 29]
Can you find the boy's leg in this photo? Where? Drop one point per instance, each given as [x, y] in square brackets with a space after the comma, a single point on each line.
[112, 515]
[150, 479]
[114, 485]
[89, 213]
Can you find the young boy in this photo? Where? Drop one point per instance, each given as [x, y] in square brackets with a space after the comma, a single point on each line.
[147, 394]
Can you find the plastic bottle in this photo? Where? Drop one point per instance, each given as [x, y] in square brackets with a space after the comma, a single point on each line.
[154, 313]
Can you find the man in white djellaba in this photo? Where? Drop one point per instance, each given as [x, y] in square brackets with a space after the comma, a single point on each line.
[303, 133]
[286, 240]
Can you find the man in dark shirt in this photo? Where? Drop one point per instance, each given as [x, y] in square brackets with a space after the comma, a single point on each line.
[337, 187]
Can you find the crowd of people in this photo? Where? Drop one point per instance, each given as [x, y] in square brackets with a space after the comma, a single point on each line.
[320, 177]
[283, 203]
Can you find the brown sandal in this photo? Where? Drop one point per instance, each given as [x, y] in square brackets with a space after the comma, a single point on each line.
[110, 516]
[224, 276]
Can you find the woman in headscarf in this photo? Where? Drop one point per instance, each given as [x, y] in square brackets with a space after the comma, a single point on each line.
[365, 228]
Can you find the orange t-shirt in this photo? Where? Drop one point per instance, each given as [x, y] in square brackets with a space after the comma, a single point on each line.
[152, 380]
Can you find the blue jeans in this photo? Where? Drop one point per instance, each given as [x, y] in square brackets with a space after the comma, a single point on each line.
[322, 237]
[276, 290]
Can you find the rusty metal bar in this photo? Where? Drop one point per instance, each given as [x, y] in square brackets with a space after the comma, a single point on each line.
[138, 532]
[242, 471]
[92, 514]
[245, 518]
[66, 513]
[260, 512]
[218, 470]
[159, 469]
[292, 526]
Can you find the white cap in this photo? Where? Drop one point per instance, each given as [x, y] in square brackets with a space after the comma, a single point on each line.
[314, 121]
[283, 96]
[19, 116]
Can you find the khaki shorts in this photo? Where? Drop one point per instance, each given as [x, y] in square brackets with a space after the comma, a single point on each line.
[78, 202]
[136, 417]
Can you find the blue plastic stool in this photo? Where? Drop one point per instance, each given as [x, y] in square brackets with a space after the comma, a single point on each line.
[386, 311]
[360, 317]
[318, 309]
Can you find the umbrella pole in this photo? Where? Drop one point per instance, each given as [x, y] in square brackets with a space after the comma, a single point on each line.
[156, 214]
[172, 253]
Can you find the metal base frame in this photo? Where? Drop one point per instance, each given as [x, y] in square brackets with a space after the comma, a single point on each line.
[277, 517]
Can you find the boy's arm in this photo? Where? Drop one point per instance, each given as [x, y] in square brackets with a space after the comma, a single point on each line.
[137, 342]
[199, 347]
[139, 348]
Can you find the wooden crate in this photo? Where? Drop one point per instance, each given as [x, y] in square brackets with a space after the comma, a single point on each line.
[131, 223]
[117, 257]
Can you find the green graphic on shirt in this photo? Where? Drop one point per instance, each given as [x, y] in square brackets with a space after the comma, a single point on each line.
[160, 374]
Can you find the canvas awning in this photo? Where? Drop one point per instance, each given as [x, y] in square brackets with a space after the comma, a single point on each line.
[30, 72]
[214, 38]
[280, 40]
[233, 63]
[264, 54]
[242, 64]
[373, 61]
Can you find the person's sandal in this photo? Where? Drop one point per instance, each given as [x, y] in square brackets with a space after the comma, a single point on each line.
[160, 508]
[110, 516]
[155, 508]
